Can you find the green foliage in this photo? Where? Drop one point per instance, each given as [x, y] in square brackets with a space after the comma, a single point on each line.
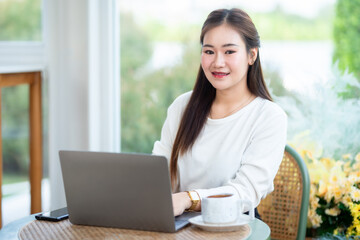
[347, 35]
[13, 178]
[135, 47]
[278, 25]
[330, 223]
[161, 32]
[16, 155]
[347, 41]
[329, 236]
[15, 128]
[20, 20]
[146, 95]
[135, 51]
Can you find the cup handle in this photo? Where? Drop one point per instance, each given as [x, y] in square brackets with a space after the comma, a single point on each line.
[251, 208]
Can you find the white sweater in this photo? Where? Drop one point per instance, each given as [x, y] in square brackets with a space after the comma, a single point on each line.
[238, 154]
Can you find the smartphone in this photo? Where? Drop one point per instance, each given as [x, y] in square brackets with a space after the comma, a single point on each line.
[53, 216]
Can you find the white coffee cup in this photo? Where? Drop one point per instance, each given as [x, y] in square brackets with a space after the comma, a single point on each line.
[224, 209]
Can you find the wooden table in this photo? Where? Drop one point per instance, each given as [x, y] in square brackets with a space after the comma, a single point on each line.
[259, 231]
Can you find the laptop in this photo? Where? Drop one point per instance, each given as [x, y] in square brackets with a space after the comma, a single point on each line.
[120, 190]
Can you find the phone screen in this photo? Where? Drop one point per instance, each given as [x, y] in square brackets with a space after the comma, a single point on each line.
[55, 215]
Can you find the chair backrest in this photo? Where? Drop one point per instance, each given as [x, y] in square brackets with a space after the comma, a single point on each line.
[285, 209]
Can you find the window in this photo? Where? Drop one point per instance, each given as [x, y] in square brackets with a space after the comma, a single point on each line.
[20, 20]
[160, 54]
[21, 46]
[21, 35]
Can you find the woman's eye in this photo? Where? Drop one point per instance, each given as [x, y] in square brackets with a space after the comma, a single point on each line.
[229, 52]
[208, 52]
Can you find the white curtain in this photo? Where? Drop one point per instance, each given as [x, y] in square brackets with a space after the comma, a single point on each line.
[82, 52]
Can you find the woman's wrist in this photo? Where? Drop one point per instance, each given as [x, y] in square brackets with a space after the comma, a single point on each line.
[198, 206]
[194, 200]
[187, 200]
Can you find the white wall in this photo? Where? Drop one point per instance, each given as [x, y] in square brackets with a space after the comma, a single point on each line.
[83, 74]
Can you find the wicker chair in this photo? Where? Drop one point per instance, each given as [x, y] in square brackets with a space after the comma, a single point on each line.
[285, 209]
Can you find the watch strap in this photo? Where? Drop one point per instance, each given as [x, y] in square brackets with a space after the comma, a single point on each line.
[195, 199]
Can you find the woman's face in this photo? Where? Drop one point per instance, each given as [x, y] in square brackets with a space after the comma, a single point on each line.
[224, 58]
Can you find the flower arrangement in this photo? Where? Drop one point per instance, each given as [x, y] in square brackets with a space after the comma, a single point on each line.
[334, 206]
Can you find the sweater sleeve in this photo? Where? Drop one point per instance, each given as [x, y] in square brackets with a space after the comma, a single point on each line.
[164, 146]
[260, 162]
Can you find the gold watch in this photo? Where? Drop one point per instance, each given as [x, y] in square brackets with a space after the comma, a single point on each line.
[195, 199]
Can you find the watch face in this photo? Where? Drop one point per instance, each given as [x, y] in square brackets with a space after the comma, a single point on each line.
[194, 196]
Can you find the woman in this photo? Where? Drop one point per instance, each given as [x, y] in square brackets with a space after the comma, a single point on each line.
[226, 136]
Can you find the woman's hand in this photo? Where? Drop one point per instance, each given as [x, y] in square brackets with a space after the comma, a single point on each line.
[181, 201]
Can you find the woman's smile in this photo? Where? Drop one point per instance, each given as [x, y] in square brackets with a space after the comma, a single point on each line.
[220, 74]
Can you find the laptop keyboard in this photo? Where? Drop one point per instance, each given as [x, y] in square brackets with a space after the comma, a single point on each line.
[180, 224]
[183, 220]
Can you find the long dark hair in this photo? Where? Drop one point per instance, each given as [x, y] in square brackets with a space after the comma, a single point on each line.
[203, 95]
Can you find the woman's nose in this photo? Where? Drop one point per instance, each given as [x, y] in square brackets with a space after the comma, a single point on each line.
[219, 60]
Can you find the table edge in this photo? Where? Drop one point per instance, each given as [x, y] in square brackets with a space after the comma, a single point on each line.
[11, 230]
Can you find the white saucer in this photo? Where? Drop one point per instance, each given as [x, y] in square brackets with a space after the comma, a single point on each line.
[198, 221]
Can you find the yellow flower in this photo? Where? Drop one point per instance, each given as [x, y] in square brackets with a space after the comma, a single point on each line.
[338, 193]
[355, 211]
[357, 157]
[322, 188]
[355, 208]
[353, 178]
[318, 172]
[334, 178]
[346, 156]
[327, 162]
[334, 191]
[307, 155]
[311, 212]
[333, 211]
[339, 164]
[314, 203]
[313, 189]
[315, 220]
[355, 194]
[336, 172]
[345, 184]
[354, 229]
[356, 168]
[346, 200]
[347, 168]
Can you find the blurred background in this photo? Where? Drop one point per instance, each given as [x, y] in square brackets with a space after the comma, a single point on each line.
[310, 53]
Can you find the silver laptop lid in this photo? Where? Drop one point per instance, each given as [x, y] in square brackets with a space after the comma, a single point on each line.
[118, 190]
